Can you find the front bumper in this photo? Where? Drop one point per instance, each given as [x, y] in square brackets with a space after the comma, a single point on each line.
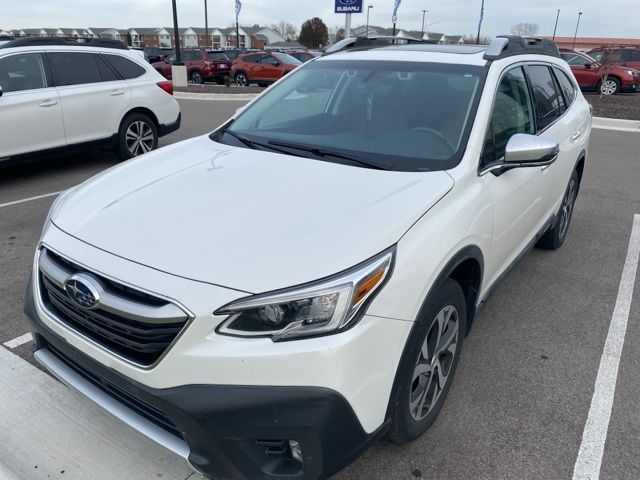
[630, 87]
[218, 75]
[224, 431]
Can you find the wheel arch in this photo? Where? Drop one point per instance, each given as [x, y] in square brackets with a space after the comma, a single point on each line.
[144, 111]
[582, 158]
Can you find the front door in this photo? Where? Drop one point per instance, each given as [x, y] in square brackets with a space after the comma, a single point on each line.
[30, 106]
[519, 195]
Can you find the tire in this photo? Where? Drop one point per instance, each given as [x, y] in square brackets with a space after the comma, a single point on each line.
[136, 126]
[196, 77]
[414, 385]
[241, 79]
[609, 87]
[555, 236]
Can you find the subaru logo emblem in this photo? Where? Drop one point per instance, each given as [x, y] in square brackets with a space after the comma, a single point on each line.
[83, 291]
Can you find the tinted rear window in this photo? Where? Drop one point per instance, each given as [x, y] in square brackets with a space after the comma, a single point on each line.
[71, 68]
[217, 56]
[125, 67]
[548, 104]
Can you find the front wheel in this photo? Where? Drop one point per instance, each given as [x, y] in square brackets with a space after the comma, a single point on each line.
[555, 236]
[610, 86]
[137, 135]
[428, 364]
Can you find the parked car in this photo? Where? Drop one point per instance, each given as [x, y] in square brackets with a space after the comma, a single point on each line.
[233, 53]
[202, 65]
[140, 51]
[262, 68]
[303, 55]
[269, 299]
[622, 56]
[591, 75]
[5, 38]
[58, 94]
[157, 54]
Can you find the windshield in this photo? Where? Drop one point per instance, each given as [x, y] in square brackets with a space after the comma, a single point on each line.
[217, 56]
[285, 58]
[408, 115]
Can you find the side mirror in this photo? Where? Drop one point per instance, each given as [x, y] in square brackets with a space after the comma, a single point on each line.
[530, 151]
[588, 65]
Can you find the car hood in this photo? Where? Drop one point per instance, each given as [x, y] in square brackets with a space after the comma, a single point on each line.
[246, 219]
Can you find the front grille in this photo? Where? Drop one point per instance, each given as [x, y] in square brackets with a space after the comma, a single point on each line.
[140, 407]
[130, 323]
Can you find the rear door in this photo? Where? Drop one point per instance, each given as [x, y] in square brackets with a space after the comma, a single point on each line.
[31, 118]
[630, 58]
[94, 98]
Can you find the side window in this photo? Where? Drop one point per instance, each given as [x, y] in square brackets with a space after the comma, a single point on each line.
[127, 69]
[22, 72]
[512, 113]
[267, 59]
[74, 68]
[106, 73]
[171, 58]
[549, 105]
[597, 56]
[566, 85]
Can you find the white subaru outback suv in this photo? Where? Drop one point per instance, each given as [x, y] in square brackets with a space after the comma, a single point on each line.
[57, 94]
[269, 299]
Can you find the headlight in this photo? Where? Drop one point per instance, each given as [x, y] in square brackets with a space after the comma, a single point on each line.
[319, 308]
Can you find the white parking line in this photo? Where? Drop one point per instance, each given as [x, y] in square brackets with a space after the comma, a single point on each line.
[589, 459]
[21, 340]
[29, 199]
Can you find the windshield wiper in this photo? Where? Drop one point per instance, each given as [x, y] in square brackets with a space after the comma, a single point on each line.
[323, 152]
[252, 144]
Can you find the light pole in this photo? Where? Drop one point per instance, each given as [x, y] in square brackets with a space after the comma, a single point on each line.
[556, 27]
[480, 23]
[176, 33]
[424, 13]
[576, 34]
[206, 23]
[368, 10]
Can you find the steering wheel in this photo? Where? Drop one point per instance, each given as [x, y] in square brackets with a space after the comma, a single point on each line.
[435, 132]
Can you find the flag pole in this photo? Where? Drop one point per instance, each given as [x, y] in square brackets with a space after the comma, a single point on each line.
[480, 23]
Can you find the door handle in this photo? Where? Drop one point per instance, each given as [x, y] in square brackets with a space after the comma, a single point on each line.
[49, 103]
[115, 93]
[575, 136]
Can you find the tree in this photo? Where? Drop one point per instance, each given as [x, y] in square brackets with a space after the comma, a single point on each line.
[314, 33]
[287, 30]
[525, 29]
[336, 33]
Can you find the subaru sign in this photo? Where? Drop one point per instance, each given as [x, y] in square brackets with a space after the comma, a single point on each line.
[348, 6]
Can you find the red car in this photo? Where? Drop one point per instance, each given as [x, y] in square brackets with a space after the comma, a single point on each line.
[202, 65]
[262, 68]
[590, 75]
[622, 56]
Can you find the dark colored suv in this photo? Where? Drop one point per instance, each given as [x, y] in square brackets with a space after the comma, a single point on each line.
[157, 54]
[202, 65]
[622, 56]
[591, 75]
[262, 68]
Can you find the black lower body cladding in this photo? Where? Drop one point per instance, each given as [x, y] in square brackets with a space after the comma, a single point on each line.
[239, 432]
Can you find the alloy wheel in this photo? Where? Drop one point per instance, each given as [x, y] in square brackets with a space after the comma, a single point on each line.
[567, 207]
[608, 87]
[241, 80]
[434, 363]
[139, 138]
[196, 77]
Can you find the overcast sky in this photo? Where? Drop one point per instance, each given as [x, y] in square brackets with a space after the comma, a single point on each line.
[610, 18]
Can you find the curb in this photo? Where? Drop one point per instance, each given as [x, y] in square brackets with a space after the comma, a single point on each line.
[616, 124]
[234, 97]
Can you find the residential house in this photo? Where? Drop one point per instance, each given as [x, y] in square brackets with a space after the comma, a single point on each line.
[149, 37]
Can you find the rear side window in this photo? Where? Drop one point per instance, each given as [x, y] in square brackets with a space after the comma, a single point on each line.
[549, 105]
[106, 72]
[125, 67]
[512, 113]
[566, 85]
[630, 56]
[251, 58]
[22, 72]
[74, 68]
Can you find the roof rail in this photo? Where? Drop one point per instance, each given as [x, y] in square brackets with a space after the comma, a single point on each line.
[365, 43]
[66, 41]
[507, 45]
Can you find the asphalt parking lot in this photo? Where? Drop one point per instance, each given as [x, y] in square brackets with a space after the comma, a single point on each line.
[525, 384]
